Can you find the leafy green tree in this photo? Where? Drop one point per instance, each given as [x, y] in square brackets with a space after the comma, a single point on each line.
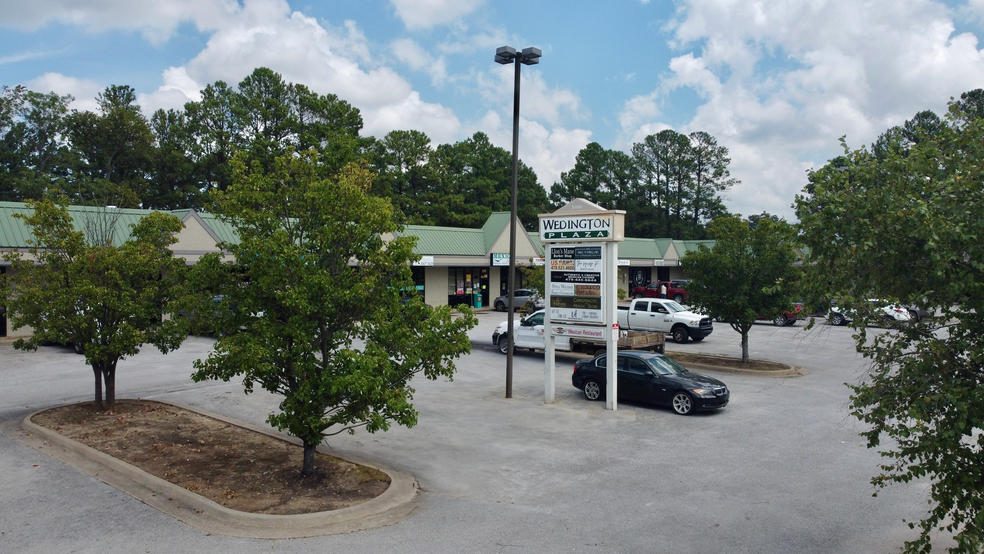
[400, 160]
[319, 304]
[113, 149]
[605, 177]
[33, 152]
[709, 178]
[746, 275]
[106, 299]
[174, 180]
[475, 179]
[681, 178]
[753, 220]
[905, 226]
[266, 116]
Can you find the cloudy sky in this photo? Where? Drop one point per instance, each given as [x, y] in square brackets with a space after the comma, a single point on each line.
[777, 82]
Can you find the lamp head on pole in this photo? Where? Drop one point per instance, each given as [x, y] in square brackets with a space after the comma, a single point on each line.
[531, 56]
[507, 54]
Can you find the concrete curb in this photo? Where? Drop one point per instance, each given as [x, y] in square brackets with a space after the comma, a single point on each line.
[791, 372]
[399, 500]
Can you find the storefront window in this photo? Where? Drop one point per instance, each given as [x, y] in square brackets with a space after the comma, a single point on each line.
[464, 283]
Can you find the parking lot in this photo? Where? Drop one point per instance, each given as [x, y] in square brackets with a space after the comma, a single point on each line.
[781, 469]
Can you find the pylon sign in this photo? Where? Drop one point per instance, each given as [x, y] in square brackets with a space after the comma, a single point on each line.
[581, 281]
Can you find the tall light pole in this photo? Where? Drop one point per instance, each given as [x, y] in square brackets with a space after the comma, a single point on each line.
[529, 56]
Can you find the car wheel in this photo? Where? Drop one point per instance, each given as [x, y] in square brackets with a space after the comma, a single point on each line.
[500, 306]
[682, 403]
[838, 319]
[504, 344]
[592, 390]
[680, 334]
[79, 348]
[640, 295]
[914, 315]
[779, 320]
[678, 298]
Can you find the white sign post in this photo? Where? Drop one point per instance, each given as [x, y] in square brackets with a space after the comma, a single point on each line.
[581, 281]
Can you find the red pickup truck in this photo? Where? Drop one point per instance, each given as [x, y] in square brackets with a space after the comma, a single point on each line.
[674, 290]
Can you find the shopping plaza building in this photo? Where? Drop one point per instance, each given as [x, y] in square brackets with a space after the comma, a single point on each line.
[456, 265]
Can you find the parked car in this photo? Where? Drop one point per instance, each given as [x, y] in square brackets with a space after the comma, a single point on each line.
[675, 290]
[664, 316]
[788, 317]
[888, 312]
[652, 378]
[529, 334]
[916, 313]
[523, 296]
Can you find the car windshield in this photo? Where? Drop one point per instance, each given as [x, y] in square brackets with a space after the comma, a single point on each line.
[666, 366]
[673, 307]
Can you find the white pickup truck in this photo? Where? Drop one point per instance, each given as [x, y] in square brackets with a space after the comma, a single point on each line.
[529, 334]
[665, 316]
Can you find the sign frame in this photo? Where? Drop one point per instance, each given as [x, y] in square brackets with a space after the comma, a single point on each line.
[581, 227]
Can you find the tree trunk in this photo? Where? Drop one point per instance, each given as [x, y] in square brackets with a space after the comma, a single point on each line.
[99, 389]
[110, 377]
[744, 346]
[308, 467]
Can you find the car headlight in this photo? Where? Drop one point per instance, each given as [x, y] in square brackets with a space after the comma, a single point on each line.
[704, 393]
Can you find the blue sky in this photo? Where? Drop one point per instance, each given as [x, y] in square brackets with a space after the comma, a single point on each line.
[777, 82]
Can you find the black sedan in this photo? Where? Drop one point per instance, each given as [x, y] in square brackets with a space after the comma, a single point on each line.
[653, 378]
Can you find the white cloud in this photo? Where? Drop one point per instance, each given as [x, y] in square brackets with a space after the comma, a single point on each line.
[155, 19]
[639, 109]
[462, 40]
[782, 79]
[177, 90]
[336, 60]
[548, 151]
[418, 59]
[424, 14]
[538, 101]
[84, 90]
[438, 122]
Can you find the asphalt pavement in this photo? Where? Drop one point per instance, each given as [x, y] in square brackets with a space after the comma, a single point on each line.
[780, 470]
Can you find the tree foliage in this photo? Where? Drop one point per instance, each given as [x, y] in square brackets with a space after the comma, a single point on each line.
[173, 160]
[670, 186]
[316, 291]
[474, 179]
[106, 299]
[748, 274]
[904, 224]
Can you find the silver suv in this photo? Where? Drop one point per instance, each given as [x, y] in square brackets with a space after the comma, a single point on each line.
[522, 297]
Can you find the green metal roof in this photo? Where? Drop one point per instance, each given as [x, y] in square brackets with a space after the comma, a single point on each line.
[535, 239]
[494, 225]
[431, 240]
[221, 228]
[15, 233]
[640, 248]
[684, 246]
[447, 241]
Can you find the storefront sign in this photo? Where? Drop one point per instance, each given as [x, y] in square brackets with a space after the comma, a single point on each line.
[584, 228]
[425, 261]
[500, 260]
[575, 283]
[597, 333]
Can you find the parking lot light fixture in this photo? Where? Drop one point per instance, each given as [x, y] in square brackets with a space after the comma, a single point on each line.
[529, 56]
